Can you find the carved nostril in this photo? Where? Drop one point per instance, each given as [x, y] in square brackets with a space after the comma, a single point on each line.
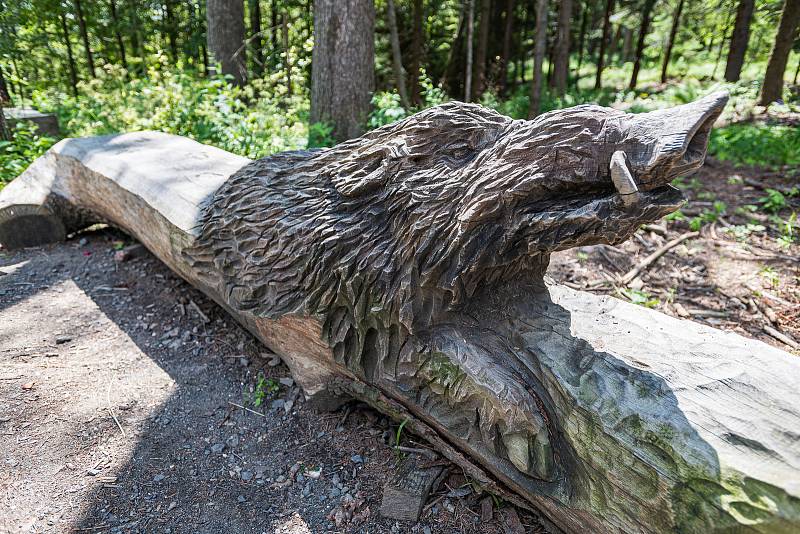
[696, 148]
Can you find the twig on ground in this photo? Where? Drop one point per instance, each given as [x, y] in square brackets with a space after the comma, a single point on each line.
[649, 260]
[422, 452]
[780, 336]
[196, 308]
[110, 411]
[247, 409]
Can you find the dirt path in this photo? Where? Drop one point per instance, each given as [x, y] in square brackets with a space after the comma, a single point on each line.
[118, 414]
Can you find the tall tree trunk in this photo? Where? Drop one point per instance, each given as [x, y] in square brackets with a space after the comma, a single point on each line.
[482, 50]
[85, 36]
[225, 33]
[287, 58]
[613, 44]
[172, 33]
[468, 76]
[397, 58]
[796, 71]
[582, 38]
[5, 96]
[343, 65]
[647, 12]
[452, 76]
[4, 133]
[561, 67]
[131, 7]
[598, 81]
[772, 89]
[739, 39]
[273, 23]
[540, 45]
[508, 34]
[117, 33]
[627, 44]
[73, 72]
[417, 14]
[676, 20]
[257, 39]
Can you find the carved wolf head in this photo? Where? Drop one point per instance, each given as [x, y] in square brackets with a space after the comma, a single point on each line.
[415, 216]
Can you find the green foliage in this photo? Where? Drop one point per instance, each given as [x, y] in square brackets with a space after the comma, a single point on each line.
[320, 135]
[775, 201]
[642, 298]
[757, 144]
[386, 109]
[25, 146]
[708, 216]
[265, 388]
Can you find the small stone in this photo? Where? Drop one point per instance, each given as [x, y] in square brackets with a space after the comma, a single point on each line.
[357, 459]
[274, 361]
[277, 404]
[159, 477]
[244, 362]
[83, 241]
[233, 441]
[247, 475]
[241, 498]
[217, 448]
[60, 340]
[172, 506]
[426, 530]
[286, 381]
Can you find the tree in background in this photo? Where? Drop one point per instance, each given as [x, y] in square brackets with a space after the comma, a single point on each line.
[739, 40]
[676, 20]
[85, 36]
[257, 39]
[598, 82]
[225, 22]
[343, 62]
[561, 67]
[482, 51]
[772, 88]
[647, 13]
[538, 58]
[397, 57]
[417, 37]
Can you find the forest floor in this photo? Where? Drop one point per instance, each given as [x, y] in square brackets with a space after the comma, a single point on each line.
[131, 403]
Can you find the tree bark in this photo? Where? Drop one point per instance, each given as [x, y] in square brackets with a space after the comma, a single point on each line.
[5, 96]
[257, 40]
[598, 82]
[508, 34]
[172, 30]
[397, 58]
[586, 10]
[73, 73]
[647, 12]
[482, 50]
[342, 68]
[287, 57]
[540, 45]
[772, 88]
[561, 67]
[676, 20]
[739, 40]
[85, 36]
[118, 34]
[470, 5]
[225, 33]
[415, 64]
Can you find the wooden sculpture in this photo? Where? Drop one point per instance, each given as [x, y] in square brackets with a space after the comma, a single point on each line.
[406, 268]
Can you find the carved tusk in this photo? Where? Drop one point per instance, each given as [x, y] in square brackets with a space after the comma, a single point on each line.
[623, 179]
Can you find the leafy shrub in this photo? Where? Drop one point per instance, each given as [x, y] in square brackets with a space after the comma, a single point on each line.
[25, 146]
[752, 144]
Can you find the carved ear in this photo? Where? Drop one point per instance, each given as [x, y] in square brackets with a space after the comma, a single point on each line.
[362, 173]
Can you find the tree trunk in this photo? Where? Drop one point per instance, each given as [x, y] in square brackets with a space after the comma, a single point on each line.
[482, 50]
[131, 7]
[73, 73]
[582, 38]
[772, 88]
[627, 44]
[739, 40]
[415, 64]
[5, 96]
[5, 135]
[397, 58]
[287, 57]
[796, 71]
[539, 50]
[561, 67]
[508, 34]
[613, 44]
[273, 30]
[647, 12]
[172, 30]
[598, 82]
[225, 34]
[343, 65]
[117, 33]
[257, 40]
[469, 45]
[676, 20]
[85, 36]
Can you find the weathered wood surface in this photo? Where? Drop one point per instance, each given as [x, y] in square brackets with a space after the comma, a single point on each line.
[405, 268]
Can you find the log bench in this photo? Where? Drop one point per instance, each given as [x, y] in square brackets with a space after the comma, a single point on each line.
[423, 294]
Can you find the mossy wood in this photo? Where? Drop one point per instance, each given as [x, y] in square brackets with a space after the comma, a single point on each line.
[406, 268]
